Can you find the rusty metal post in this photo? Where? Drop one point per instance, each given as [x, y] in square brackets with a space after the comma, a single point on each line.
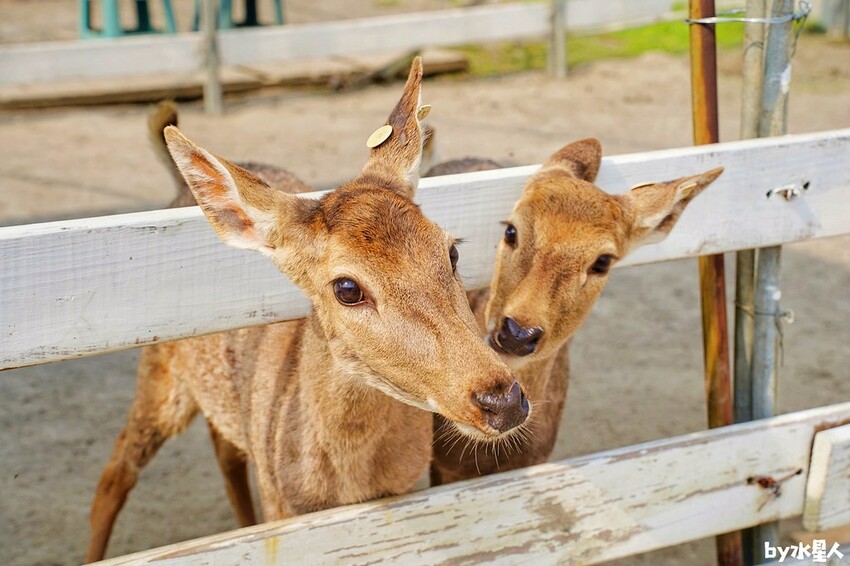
[712, 274]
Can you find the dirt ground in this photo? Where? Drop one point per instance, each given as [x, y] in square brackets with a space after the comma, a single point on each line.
[637, 369]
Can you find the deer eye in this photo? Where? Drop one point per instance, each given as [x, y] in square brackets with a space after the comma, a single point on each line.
[453, 255]
[602, 264]
[348, 292]
[510, 235]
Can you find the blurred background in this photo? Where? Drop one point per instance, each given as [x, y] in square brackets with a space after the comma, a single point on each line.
[73, 143]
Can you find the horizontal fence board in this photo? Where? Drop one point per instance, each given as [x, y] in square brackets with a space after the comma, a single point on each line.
[80, 287]
[183, 53]
[580, 511]
[828, 488]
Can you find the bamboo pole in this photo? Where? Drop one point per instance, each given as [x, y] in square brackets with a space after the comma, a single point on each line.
[212, 83]
[711, 268]
[772, 122]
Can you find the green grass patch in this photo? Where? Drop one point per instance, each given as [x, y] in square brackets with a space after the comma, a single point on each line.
[668, 37]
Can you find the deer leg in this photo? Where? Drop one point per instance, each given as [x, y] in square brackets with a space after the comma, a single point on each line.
[234, 467]
[162, 408]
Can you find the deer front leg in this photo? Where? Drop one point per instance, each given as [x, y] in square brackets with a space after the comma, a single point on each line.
[234, 467]
[162, 408]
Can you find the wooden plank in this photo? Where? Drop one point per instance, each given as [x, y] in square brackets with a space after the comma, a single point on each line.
[139, 88]
[81, 287]
[583, 510]
[827, 503]
[153, 88]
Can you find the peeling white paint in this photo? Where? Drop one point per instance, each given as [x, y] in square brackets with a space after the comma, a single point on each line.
[785, 79]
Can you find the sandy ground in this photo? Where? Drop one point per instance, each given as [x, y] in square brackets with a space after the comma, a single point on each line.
[637, 372]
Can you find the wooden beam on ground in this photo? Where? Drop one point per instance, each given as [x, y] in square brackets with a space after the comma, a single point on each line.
[137, 88]
[828, 489]
[582, 510]
[83, 287]
[337, 71]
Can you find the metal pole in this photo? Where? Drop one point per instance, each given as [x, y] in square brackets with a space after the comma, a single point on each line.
[711, 268]
[558, 40]
[753, 76]
[772, 122]
[212, 84]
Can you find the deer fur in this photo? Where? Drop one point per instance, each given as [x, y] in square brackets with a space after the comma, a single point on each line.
[331, 409]
[563, 224]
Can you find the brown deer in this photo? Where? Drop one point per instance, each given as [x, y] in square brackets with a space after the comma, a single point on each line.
[332, 409]
[560, 242]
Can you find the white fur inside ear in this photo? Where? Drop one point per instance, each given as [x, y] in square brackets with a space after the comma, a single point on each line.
[220, 205]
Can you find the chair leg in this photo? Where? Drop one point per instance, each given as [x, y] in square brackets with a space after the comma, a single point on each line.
[278, 12]
[143, 17]
[111, 19]
[251, 13]
[225, 14]
[170, 22]
[84, 13]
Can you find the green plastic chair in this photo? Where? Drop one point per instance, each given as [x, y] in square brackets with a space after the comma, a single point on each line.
[225, 14]
[112, 20]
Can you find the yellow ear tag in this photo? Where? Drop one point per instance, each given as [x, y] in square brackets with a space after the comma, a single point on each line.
[423, 112]
[379, 136]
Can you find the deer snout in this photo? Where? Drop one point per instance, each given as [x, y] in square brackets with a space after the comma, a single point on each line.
[505, 410]
[516, 339]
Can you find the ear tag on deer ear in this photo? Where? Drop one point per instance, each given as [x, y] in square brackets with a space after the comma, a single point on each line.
[423, 112]
[379, 136]
[641, 185]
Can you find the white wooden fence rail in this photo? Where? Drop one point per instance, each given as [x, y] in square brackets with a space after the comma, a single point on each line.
[21, 64]
[579, 511]
[81, 287]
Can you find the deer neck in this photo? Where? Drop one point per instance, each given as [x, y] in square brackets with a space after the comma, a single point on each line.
[363, 443]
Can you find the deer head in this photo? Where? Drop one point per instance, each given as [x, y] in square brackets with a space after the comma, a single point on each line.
[380, 275]
[560, 242]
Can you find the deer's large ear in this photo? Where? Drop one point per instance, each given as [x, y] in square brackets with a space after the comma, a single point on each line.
[242, 209]
[581, 159]
[656, 207]
[396, 158]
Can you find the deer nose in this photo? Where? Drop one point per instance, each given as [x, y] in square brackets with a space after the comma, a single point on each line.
[506, 410]
[518, 340]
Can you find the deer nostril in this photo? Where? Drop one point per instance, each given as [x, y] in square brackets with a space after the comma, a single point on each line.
[506, 410]
[515, 339]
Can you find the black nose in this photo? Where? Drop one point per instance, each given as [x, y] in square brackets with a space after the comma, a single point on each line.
[517, 340]
[506, 410]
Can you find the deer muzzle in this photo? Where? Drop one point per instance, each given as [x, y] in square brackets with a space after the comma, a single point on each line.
[504, 410]
[515, 339]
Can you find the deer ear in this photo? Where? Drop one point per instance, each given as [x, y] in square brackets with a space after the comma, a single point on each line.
[395, 159]
[656, 207]
[581, 159]
[242, 209]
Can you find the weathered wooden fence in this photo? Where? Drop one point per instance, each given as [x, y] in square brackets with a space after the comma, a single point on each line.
[185, 52]
[82, 287]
